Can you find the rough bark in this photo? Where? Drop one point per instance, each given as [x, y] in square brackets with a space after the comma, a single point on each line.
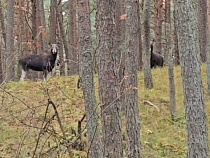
[131, 97]
[62, 35]
[140, 53]
[1, 63]
[202, 27]
[148, 83]
[170, 50]
[208, 47]
[188, 39]
[10, 41]
[73, 55]
[87, 78]
[158, 25]
[53, 24]
[44, 40]
[109, 88]
[2, 43]
[3, 29]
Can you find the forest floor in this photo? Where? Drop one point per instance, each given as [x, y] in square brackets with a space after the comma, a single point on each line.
[29, 125]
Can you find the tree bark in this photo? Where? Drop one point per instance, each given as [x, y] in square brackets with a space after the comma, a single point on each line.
[202, 27]
[87, 78]
[208, 47]
[3, 30]
[10, 42]
[53, 24]
[140, 52]
[188, 39]
[73, 55]
[148, 83]
[158, 25]
[131, 83]
[109, 89]
[170, 50]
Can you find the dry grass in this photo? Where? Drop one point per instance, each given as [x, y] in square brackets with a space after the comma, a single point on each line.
[23, 106]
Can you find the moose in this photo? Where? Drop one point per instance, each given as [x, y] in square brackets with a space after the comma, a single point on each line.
[156, 59]
[39, 62]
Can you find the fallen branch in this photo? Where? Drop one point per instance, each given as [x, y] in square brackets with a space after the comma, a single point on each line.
[151, 104]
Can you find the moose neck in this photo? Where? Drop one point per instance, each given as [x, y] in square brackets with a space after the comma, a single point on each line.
[54, 56]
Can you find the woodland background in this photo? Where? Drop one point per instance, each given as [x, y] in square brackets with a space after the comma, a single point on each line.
[104, 100]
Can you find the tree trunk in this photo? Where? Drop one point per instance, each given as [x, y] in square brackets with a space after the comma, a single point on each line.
[44, 40]
[62, 30]
[10, 42]
[208, 47]
[3, 30]
[1, 63]
[202, 27]
[53, 24]
[188, 39]
[109, 89]
[170, 50]
[87, 78]
[148, 83]
[176, 48]
[140, 53]
[3, 45]
[34, 25]
[158, 25]
[73, 55]
[131, 97]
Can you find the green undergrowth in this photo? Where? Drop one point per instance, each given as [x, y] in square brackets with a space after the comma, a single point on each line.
[24, 120]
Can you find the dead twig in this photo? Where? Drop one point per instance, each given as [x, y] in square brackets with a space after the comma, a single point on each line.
[151, 104]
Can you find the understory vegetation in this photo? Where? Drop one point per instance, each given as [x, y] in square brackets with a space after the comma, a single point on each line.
[29, 122]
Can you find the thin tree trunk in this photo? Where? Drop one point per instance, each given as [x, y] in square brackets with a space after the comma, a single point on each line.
[62, 31]
[148, 83]
[53, 24]
[140, 53]
[10, 41]
[158, 25]
[87, 78]
[1, 59]
[44, 40]
[208, 47]
[169, 48]
[73, 55]
[3, 30]
[202, 27]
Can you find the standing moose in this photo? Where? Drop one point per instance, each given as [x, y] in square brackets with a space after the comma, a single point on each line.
[39, 62]
[156, 59]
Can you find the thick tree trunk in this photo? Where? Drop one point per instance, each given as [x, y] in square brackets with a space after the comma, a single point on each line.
[131, 97]
[109, 88]
[188, 39]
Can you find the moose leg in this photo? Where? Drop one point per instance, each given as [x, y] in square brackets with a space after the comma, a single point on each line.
[46, 75]
[23, 75]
